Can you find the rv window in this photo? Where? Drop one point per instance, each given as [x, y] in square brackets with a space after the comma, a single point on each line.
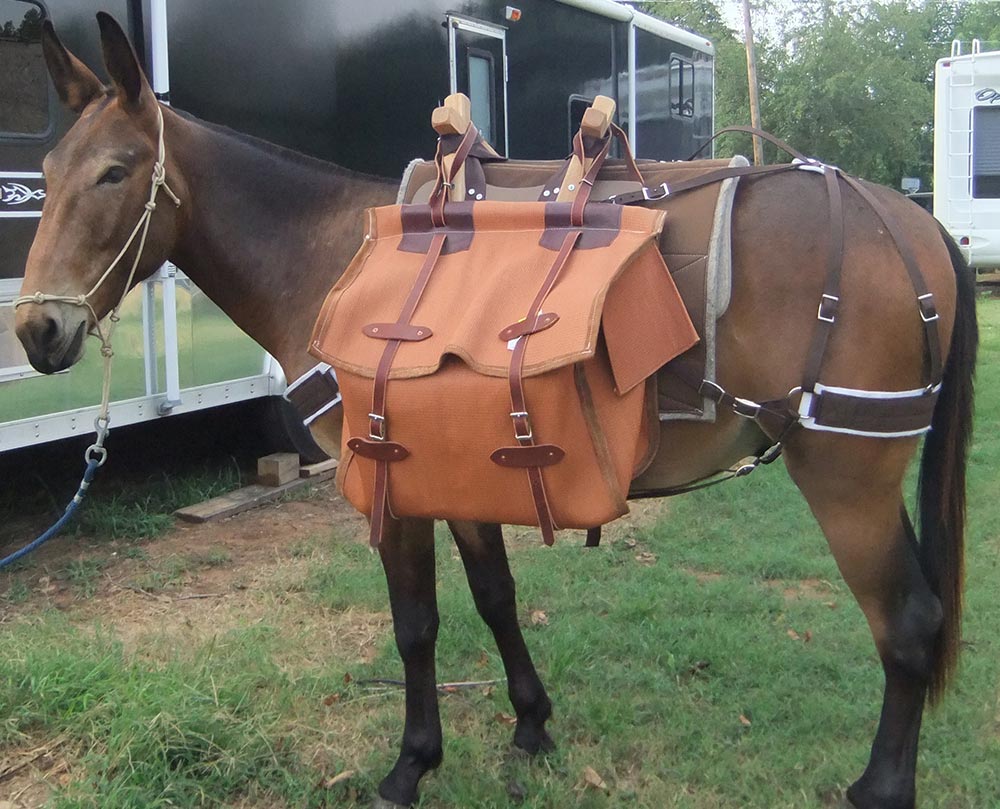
[481, 83]
[681, 87]
[986, 152]
[24, 85]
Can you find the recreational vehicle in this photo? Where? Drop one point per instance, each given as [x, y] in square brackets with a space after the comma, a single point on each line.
[967, 151]
[346, 81]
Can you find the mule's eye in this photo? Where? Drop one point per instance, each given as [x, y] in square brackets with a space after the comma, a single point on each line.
[113, 175]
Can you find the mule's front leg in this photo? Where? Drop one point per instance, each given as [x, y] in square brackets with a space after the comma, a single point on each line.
[407, 551]
[485, 559]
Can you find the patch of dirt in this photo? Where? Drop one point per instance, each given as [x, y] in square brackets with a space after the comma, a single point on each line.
[804, 589]
[703, 576]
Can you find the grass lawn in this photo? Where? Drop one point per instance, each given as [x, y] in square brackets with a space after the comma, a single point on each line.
[708, 655]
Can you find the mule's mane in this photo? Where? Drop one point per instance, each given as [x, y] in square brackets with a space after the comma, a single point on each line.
[283, 153]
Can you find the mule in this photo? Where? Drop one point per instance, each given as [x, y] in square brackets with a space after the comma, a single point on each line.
[265, 232]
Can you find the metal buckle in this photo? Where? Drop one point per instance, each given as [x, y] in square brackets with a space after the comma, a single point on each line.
[819, 311]
[712, 391]
[745, 408]
[521, 414]
[929, 307]
[649, 195]
[380, 421]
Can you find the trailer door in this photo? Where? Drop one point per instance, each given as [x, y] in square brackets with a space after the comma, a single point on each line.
[478, 56]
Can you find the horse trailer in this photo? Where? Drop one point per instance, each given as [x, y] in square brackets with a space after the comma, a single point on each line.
[345, 81]
[967, 151]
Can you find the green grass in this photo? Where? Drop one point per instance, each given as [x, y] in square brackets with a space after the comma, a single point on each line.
[655, 671]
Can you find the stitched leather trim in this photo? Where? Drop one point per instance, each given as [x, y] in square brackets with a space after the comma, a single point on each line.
[378, 450]
[397, 331]
[523, 327]
[524, 457]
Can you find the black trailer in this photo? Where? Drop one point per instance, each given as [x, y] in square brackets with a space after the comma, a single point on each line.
[345, 80]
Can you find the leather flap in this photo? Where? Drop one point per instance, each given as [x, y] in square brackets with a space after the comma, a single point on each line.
[475, 293]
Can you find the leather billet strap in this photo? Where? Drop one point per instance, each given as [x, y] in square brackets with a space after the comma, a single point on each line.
[377, 446]
[546, 454]
[445, 180]
[597, 150]
[314, 393]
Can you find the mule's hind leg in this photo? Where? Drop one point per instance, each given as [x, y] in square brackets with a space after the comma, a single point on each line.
[407, 551]
[485, 559]
[856, 496]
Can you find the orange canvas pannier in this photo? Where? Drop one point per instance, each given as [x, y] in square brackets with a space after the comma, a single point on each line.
[445, 309]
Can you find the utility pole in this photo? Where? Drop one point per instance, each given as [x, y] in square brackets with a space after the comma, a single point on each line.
[758, 155]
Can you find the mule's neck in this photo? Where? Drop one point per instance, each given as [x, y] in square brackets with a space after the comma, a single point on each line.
[266, 231]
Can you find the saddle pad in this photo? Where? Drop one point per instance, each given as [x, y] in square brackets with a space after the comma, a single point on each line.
[696, 247]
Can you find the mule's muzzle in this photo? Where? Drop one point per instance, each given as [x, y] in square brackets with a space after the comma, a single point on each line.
[52, 335]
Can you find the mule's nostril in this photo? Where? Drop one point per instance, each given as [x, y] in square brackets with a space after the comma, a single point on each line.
[51, 331]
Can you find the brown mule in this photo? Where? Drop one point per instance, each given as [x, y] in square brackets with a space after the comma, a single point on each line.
[264, 232]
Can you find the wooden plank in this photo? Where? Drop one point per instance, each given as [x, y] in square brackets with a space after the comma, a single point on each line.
[314, 469]
[244, 499]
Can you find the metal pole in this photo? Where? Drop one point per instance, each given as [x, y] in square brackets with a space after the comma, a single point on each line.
[758, 155]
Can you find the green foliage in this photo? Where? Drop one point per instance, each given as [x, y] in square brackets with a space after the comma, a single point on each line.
[848, 81]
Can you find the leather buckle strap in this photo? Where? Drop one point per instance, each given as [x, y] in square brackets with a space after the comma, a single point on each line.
[928, 311]
[828, 305]
[377, 426]
[523, 431]
[522, 426]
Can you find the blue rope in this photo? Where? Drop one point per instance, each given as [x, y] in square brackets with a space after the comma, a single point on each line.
[93, 464]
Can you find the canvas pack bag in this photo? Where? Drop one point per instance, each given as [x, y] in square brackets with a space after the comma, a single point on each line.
[497, 360]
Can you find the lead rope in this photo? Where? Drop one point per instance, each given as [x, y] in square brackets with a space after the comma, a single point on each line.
[95, 455]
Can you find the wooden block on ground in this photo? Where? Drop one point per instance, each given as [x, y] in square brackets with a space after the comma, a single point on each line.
[277, 469]
[314, 469]
[244, 499]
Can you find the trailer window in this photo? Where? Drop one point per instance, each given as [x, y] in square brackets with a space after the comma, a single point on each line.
[24, 85]
[986, 152]
[681, 88]
[481, 84]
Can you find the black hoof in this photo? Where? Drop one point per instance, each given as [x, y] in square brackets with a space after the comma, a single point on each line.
[382, 803]
[860, 796]
[533, 741]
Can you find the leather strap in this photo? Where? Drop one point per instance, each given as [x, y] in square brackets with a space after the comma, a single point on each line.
[377, 427]
[826, 314]
[439, 196]
[397, 331]
[760, 133]
[523, 457]
[663, 191]
[518, 404]
[925, 299]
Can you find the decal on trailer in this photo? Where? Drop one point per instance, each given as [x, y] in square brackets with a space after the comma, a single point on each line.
[21, 194]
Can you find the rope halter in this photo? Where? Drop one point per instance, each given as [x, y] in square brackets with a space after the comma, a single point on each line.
[141, 229]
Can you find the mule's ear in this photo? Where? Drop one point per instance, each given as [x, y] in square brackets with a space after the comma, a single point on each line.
[123, 65]
[74, 81]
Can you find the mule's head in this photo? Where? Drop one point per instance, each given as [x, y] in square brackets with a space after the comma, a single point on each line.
[98, 181]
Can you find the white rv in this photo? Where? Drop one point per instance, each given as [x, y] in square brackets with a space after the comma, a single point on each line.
[967, 151]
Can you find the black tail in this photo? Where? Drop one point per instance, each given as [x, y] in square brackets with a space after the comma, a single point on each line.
[941, 491]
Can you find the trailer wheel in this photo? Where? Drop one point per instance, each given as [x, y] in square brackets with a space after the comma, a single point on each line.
[287, 433]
